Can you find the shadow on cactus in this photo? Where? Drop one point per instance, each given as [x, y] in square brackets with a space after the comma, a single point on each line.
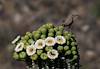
[49, 47]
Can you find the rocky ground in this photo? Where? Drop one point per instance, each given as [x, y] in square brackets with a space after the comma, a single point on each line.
[20, 16]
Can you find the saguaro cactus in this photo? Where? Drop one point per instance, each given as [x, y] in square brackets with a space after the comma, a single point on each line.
[49, 47]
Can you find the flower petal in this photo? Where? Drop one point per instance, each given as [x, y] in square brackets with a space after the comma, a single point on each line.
[15, 40]
[30, 50]
[52, 54]
[60, 39]
[19, 47]
[50, 41]
[40, 44]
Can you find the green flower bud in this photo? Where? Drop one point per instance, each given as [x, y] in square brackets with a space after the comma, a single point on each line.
[15, 56]
[38, 32]
[74, 52]
[25, 45]
[36, 36]
[68, 42]
[48, 48]
[75, 57]
[24, 41]
[65, 33]
[49, 25]
[68, 52]
[51, 30]
[22, 38]
[50, 34]
[30, 41]
[44, 26]
[72, 39]
[43, 36]
[60, 48]
[56, 29]
[39, 29]
[44, 56]
[33, 33]
[58, 33]
[34, 57]
[39, 52]
[43, 30]
[69, 35]
[73, 43]
[29, 34]
[61, 28]
[73, 48]
[22, 55]
[67, 38]
[66, 48]
[26, 37]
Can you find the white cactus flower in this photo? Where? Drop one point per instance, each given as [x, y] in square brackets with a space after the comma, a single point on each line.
[60, 40]
[30, 50]
[19, 47]
[40, 44]
[52, 54]
[50, 41]
[16, 39]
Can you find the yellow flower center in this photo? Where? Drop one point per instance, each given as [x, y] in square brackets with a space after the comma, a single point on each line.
[31, 50]
[19, 47]
[40, 44]
[51, 53]
[50, 41]
[60, 40]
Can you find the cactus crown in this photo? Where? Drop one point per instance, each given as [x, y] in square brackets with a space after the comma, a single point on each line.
[49, 47]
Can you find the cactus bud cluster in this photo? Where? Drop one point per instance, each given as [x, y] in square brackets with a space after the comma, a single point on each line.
[49, 46]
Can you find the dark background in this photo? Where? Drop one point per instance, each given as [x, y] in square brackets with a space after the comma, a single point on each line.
[20, 16]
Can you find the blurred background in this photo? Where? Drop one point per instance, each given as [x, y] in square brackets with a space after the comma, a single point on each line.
[20, 16]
